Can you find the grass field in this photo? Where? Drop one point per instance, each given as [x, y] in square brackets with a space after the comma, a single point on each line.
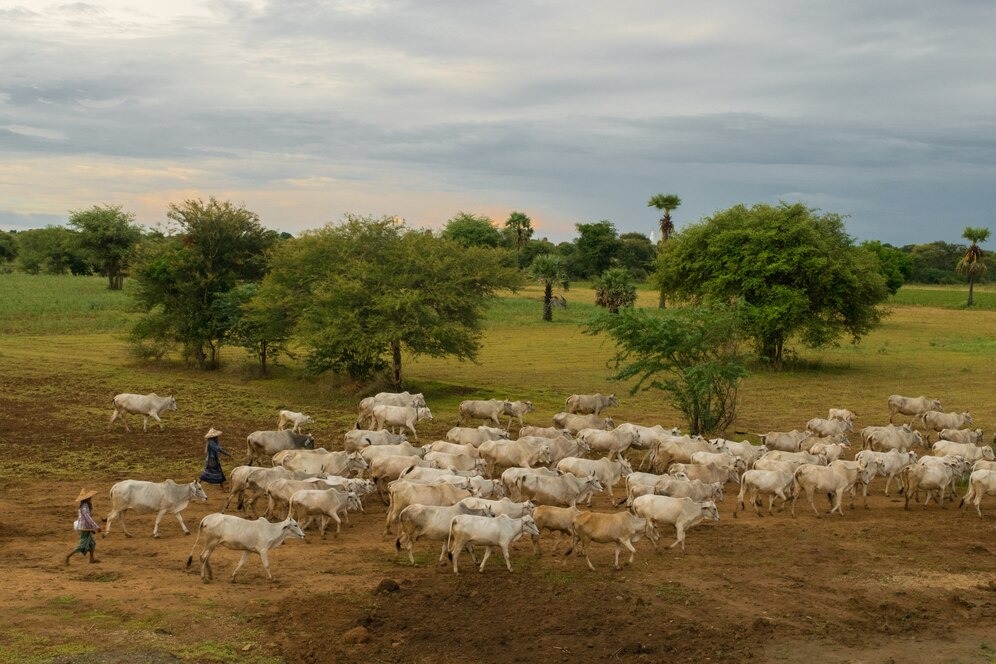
[64, 356]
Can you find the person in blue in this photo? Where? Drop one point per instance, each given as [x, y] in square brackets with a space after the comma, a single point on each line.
[213, 474]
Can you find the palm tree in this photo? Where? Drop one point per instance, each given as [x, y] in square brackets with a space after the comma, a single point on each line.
[972, 263]
[519, 226]
[666, 203]
[549, 269]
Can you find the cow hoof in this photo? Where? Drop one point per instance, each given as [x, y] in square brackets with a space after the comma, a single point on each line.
[127, 535]
[155, 535]
[186, 532]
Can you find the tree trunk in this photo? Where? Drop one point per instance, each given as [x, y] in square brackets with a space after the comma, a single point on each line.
[971, 289]
[660, 302]
[262, 357]
[548, 302]
[396, 355]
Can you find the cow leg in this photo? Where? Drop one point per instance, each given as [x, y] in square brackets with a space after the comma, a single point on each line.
[771, 502]
[455, 550]
[811, 494]
[156, 418]
[124, 418]
[124, 528]
[487, 554]
[110, 517]
[632, 550]
[114, 416]
[838, 503]
[679, 530]
[155, 528]
[242, 561]
[978, 502]
[442, 553]
[338, 523]
[145, 423]
[584, 546]
[537, 551]
[206, 574]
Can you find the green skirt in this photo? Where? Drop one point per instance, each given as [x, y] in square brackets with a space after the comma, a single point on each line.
[87, 543]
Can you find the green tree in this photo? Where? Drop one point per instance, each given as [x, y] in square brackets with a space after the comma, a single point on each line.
[973, 264]
[108, 236]
[665, 203]
[596, 245]
[691, 353]
[368, 289]
[636, 253]
[549, 269]
[794, 272]
[8, 246]
[535, 248]
[897, 266]
[52, 250]
[262, 326]
[472, 231]
[615, 289]
[180, 278]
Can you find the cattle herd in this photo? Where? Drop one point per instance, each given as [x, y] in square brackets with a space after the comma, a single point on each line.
[479, 488]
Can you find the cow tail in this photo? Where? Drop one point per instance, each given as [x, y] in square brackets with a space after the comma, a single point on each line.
[190, 558]
[449, 539]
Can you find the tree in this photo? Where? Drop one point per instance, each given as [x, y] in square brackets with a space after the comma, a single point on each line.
[262, 326]
[636, 253]
[665, 203]
[181, 278]
[52, 250]
[934, 262]
[597, 244]
[794, 272]
[368, 289]
[517, 232]
[107, 235]
[549, 269]
[896, 266]
[8, 246]
[691, 353]
[615, 289]
[973, 263]
[472, 231]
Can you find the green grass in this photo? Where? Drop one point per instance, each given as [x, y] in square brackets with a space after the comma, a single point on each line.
[945, 297]
[60, 304]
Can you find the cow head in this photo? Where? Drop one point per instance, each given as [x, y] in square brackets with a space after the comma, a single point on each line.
[424, 414]
[529, 526]
[197, 491]
[291, 529]
[171, 403]
[309, 442]
[625, 468]
[717, 491]
[610, 424]
[709, 510]
[988, 454]
[353, 502]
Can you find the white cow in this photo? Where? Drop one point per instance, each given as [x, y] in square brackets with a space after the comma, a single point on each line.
[327, 503]
[490, 409]
[147, 405]
[832, 480]
[501, 531]
[543, 432]
[457, 461]
[401, 416]
[357, 439]
[517, 409]
[574, 423]
[784, 441]
[145, 497]
[841, 414]
[980, 483]
[297, 420]
[564, 490]
[254, 480]
[890, 437]
[645, 436]
[933, 420]
[513, 453]
[890, 464]
[607, 471]
[961, 436]
[618, 528]
[504, 506]
[833, 427]
[590, 403]
[264, 444]
[475, 435]
[365, 414]
[240, 534]
[910, 405]
[934, 475]
[403, 494]
[433, 523]
[613, 443]
[510, 478]
[682, 513]
[970, 452]
[770, 483]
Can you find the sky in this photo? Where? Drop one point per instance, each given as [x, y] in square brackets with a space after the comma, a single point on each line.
[570, 111]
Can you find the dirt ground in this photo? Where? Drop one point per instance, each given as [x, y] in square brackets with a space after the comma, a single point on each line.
[878, 585]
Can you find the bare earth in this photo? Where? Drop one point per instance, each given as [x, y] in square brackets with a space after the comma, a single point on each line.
[879, 585]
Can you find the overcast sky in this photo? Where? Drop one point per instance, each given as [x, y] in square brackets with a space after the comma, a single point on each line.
[570, 111]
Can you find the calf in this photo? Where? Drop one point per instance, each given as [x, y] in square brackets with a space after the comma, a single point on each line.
[147, 405]
[556, 519]
[297, 420]
[517, 409]
[327, 503]
[980, 483]
[233, 532]
[618, 528]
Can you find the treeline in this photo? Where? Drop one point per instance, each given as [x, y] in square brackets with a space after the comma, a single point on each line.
[101, 239]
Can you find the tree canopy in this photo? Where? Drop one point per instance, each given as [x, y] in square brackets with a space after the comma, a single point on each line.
[549, 270]
[793, 271]
[51, 250]
[615, 289]
[367, 289]
[973, 264]
[182, 278]
[596, 247]
[472, 231]
[108, 237]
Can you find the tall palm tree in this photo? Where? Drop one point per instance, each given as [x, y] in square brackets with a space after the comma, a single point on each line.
[665, 203]
[549, 269]
[972, 263]
[520, 227]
